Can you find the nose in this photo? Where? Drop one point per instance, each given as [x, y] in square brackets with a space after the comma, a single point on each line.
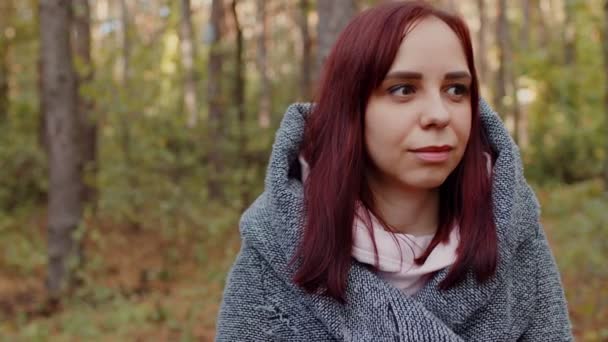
[435, 113]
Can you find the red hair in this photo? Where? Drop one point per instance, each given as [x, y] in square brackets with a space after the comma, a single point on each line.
[335, 150]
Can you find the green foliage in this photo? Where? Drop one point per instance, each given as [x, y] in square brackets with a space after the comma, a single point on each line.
[24, 177]
[580, 225]
[22, 189]
[19, 252]
[567, 119]
[576, 219]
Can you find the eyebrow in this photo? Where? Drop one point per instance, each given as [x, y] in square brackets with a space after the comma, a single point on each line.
[418, 76]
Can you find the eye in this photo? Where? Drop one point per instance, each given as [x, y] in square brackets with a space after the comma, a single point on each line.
[402, 90]
[458, 90]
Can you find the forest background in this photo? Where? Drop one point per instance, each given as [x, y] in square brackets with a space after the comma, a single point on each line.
[134, 132]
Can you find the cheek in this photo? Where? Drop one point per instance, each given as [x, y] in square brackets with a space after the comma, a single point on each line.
[380, 134]
[374, 126]
[375, 140]
[386, 125]
[462, 125]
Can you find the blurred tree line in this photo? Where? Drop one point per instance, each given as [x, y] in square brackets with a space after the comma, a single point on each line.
[160, 113]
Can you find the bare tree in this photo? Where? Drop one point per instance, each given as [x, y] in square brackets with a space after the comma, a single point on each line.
[511, 73]
[215, 99]
[568, 98]
[188, 56]
[6, 11]
[503, 41]
[525, 25]
[569, 33]
[126, 41]
[333, 15]
[262, 61]
[506, 78]
[522, 119]
[305, 67]
[85, 105]
[605, 53]
[125, 77]
[239, 99]
[481, 38]
[65, 180]
[543, 23]
[127, 115]
[515, 98]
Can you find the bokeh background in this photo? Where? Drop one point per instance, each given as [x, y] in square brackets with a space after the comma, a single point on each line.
[133, 133]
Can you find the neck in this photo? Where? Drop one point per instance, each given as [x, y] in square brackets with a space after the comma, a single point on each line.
[408, 210]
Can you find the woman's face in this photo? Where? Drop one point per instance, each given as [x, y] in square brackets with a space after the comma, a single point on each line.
[417, 123]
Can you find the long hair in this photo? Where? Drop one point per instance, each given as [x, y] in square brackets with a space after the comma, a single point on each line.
[335, 150]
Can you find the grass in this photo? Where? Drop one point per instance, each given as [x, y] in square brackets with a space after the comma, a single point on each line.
[139, 285]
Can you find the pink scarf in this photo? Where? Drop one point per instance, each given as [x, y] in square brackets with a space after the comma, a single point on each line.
[397, 251]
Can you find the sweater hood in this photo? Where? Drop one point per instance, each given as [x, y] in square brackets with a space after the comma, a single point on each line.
[273, 226]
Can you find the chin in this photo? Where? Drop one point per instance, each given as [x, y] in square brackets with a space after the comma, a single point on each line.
[427, 181]
[431, 184]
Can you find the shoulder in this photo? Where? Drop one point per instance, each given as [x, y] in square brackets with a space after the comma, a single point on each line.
[548, 317]
[245, 275]
[257, 305]
[243, 299]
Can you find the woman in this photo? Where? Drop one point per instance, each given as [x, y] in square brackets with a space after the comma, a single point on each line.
[395, 208]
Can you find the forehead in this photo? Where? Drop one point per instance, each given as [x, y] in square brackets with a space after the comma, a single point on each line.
[430, 46]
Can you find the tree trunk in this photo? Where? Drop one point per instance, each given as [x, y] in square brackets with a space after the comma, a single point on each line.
[126, 42]
[543, 25]
[85, 105]
[569, 97]
[481, 37]
[525, 26]
[305, 67]
[127, 115]
[511, 72]
[333, 17]
[42, 139]
[6, 12]
[215, 100]
[265, 97]
[239, 99]
[569, 33]
[516, 106]
[605, 52]
[502, 40]
[522, 120]
[188, 56]
[65, 180]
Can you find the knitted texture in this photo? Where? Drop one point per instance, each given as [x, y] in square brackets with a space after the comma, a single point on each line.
[524, 301]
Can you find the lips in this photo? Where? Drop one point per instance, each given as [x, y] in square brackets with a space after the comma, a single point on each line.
[433, 154]
[443, 148]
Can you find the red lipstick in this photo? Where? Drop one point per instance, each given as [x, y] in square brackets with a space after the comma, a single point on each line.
[443, 148]
[433, 154]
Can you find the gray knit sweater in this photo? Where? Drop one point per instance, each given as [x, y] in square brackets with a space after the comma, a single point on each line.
[523, 302]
